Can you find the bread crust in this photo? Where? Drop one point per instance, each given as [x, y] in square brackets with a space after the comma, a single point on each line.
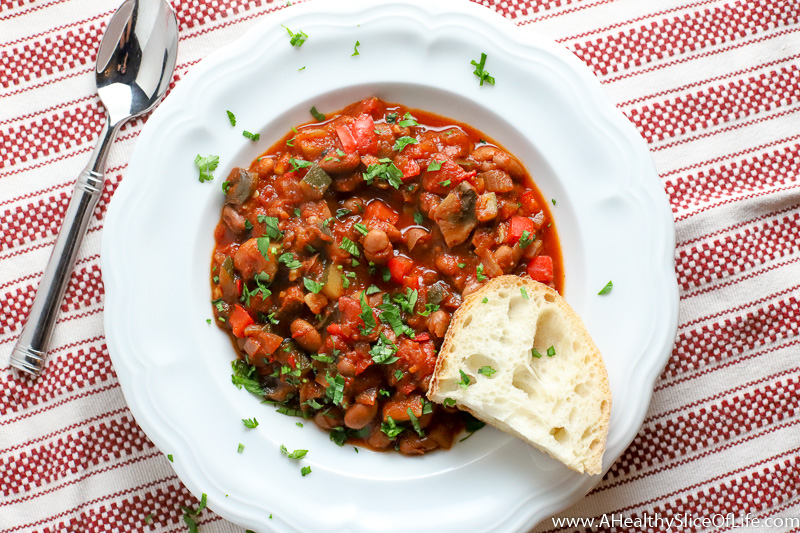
[591, 464]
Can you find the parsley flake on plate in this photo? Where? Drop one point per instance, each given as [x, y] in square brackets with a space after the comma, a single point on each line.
[355, 49]
[231, 118]
[319, 117]
[296, 39]
[480, 72]
[206, 165]
[606, 289]
[250, 423]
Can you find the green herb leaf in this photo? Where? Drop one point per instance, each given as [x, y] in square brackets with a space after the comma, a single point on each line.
[306, 470]
[335, 389]
[415, 422]
[169, 456]
[362, 229]
[250, 423]
[606, 289]
[297, 39]
[384, 169]
[206, 165]
[553, 200]
[231, 118]
[391, 315]
[383, 351]
[338, 436]
[464, 382]
[524, 293]
[372, 289]
[355, 49]
[297, 454]
[445, 183]
[479, 272]
[350, 247]
[319, 117]
[434, 165]
[148, 519]
[245, 376]
[297, 164]
[312, 285]
[241, 448]
[449, 402]
[366, 315]
[391, 118]
[471, 424]
[322, 359]
[486, 371]
[251, 136]
[402, 142]
[535, 353]
[526, 239]
[272, 230]
[398, 375]
[485, 300]
[390, 428]
[551, 351]
[429, 308]
[408, 120]
[480, 72]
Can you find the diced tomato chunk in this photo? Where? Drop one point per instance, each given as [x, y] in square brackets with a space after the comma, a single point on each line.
[365, 136]
[516, 227]
[239, 320]
[411, 282]
[529, 204]
[422, 337]
[541, 269]
[346, 138]
[378, 210]
[399, 267]
[409, 167]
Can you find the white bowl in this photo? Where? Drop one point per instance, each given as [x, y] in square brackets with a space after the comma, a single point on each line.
[546, 108]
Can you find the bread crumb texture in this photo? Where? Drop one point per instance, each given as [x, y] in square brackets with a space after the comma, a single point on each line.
[550, 385]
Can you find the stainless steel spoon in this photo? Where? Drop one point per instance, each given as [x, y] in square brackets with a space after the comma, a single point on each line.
[135, 62]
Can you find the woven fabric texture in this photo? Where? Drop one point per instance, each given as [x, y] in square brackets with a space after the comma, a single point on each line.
[713, 86]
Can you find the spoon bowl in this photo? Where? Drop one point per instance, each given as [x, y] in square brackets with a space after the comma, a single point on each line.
[135, 62]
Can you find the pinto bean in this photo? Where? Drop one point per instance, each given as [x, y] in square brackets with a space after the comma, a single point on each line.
[305, 335]
[359, 415]
[233, 219]
[438, 323]
[249, 261]
[334, 164]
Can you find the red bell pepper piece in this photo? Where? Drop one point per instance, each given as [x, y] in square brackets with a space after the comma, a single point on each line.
[529, 203]
[365, 136]
[347, 139]
[239, 320]
[410, 168]
[399, 267]
[422, 337]
[541, 269]
[378, 210]
[517, 226]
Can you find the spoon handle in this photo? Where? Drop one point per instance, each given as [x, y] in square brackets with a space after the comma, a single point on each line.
[31, 349]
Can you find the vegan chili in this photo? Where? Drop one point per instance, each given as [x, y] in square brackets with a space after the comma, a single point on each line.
[343, 251]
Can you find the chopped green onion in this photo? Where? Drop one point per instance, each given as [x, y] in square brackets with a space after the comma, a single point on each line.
[606, 289]
[231, 118]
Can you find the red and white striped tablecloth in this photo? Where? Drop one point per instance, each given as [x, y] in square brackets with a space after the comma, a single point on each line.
[713, 86]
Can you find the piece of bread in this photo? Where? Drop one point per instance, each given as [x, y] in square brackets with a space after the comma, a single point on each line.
[559, 403]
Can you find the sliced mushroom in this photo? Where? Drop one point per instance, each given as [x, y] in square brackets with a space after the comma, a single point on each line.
[241, 185]
[456, 214]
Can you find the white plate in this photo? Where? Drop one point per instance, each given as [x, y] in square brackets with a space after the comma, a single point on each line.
[611, 213]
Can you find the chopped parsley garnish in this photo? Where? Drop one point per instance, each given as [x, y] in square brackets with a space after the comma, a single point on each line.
[297, 454]
[339, 436]
[319, 117]
[471, 424]
[524, 293]
[526, 239]
[208, 321]
[551, 351]
[297, 164]
[407, 301]
[245, 376]
[553, 200]
[418, 218]
[415, 422]
[306, 470]
[340, 152]
[606, 289]
[535, 353]
[485, 300]
[355, 49]
[384, 392]
[342, 212]
[362, 229]
[148, 519]
[312, 285]
[390, 428]
[189, 513]
[429, 308]
[272, 229]
[350, 247]
[248, 225]
[250, 422]
[384, 169]
[383, 352]
[231, 118]
[449, 402]
[462, 265]
[482, 74]
[289, 260]
[290, 142]
[251, 136]
[297, 212]
[398, 375]
[445, 183]
[169, 456]
[335, 388]
[206, 165]
[434, 165]
[391, 315]
[225, 186]
[479, 272]
[486, 371]
[372, 289]
[312, 403]
[297, 39]
[366, 314]
[263, 247]
[464, 382]
[391, 118]
[402, 142]
[386, 274]
[322, 359]
[408, 120]
[241, 448]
